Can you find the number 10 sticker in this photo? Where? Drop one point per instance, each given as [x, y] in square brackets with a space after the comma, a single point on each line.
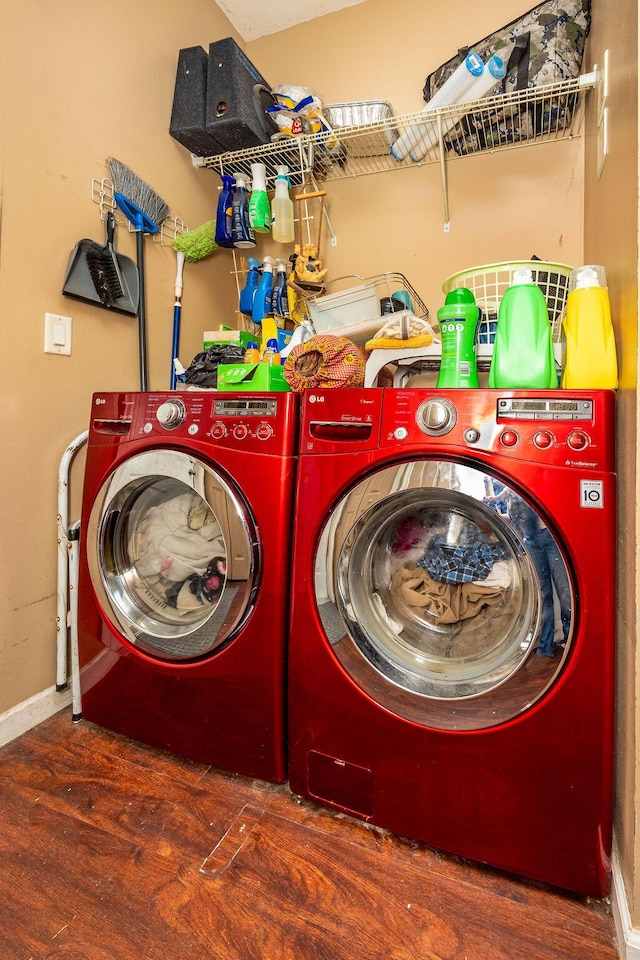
[592, 494]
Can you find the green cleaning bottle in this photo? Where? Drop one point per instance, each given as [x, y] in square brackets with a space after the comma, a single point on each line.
[592, 361]
[259, 207]
[458, 319]
[523, 356]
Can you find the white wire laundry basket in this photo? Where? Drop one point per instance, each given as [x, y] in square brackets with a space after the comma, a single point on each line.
[489, 282]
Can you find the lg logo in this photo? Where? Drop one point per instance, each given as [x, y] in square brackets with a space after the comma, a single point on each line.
[100, 400]
[314, 398]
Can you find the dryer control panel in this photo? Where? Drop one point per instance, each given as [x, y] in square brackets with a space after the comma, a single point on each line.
[257, 422]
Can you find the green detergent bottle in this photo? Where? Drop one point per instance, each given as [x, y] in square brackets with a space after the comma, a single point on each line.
[523, 356]
[458, 319]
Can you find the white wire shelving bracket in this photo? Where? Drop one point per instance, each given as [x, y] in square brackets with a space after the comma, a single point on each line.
[102, 194]
[522, 118]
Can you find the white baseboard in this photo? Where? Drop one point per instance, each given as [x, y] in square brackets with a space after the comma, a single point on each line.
[31, 712]
[628, 936]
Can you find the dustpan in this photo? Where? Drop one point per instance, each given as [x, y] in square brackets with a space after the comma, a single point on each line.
[79, 283]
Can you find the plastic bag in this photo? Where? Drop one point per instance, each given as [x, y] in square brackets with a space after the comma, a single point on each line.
[203, 369]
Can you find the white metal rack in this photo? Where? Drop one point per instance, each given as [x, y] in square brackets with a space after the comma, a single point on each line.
[535, 115]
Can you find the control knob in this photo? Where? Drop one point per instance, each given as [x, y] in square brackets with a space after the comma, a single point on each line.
[436, 416]
[171, 414]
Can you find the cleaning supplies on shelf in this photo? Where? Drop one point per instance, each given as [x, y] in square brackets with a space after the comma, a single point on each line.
[270, 354]
[523, 355]
[458, 319]
[282, 228]
[251, 354]
[493, 72]
[591, 359]
[241, 229]
[224, 214]
[262, 298]
[259, 207]
[248, 292]
[453, 91]
[279, 299]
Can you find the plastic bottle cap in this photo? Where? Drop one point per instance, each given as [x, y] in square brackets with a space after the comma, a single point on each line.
[252, 345]
[474, 64]
[587, 278]
[239, 181]
[459, 295]
[522, 275]
[496, 67]
[272, 344]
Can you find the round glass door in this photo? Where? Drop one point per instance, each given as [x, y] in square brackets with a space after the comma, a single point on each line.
[444, 594]
[173, 555]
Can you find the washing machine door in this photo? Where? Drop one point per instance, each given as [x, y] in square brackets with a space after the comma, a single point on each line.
[444, 594]
[173, 555]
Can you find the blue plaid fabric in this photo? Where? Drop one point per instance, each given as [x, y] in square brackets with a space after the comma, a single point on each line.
[448, 563]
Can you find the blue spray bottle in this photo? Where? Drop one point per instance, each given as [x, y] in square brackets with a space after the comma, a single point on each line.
[262, 299]
[279, 299]
[224, 216]
[248, 292]
[241, 229]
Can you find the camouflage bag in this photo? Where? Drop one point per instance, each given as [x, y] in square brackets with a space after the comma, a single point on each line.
[543, 46]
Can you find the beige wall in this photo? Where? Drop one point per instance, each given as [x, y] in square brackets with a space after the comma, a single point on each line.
[81, 82]
[611, 238]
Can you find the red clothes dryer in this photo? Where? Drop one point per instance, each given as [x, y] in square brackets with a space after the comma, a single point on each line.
[451, 652]
[184, 573]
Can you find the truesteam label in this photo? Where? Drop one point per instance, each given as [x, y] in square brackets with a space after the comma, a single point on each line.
[592, 494]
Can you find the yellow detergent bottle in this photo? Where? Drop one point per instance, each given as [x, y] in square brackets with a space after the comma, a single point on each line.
[591, 360]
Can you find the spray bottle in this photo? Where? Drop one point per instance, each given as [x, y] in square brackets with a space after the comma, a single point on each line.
[282, 210]
[224, 216]
[262, 299]
[523, 350]
[279, 299]
[248, 292]
[259, 209]
[241, 229]
[458, 319]
[591, 361]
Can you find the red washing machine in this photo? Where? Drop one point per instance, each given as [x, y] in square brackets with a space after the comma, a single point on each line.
[451, 652]
[184, 573]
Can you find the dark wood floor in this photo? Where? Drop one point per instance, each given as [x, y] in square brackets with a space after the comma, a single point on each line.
[110, 850]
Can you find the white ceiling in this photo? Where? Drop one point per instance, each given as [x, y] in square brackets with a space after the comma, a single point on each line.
[255, 18]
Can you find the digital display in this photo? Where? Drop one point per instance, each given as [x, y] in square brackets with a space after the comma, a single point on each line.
[528, 405]
[232, 407]
[539, 408]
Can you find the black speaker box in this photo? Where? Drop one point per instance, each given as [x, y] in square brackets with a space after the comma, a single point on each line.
[237, 96]
[190, 103]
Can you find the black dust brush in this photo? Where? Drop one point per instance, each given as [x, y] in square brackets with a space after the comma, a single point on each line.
[146, 211]
[104, 267]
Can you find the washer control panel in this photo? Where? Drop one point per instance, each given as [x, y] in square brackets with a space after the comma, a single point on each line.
[566, 428]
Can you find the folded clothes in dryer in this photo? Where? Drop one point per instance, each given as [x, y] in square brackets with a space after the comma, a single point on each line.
[446, 602]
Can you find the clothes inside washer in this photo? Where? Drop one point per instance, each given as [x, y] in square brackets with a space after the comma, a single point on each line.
[446, 602]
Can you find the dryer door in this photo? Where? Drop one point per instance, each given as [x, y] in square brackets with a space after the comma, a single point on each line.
[173, 555]
[444, 595]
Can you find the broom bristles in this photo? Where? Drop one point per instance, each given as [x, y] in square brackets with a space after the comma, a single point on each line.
[139, 194]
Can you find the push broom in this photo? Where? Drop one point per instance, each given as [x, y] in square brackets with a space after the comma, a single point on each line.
[145, 210]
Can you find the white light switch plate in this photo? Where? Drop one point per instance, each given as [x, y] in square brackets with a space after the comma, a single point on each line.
[57, 334]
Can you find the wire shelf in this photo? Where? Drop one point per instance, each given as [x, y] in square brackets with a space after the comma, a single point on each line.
[535, 115]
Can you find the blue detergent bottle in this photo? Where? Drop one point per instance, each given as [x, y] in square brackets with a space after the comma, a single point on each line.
[224, 215]
[262, 299]
[241, 229]
[523, 357]
[248, 292]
